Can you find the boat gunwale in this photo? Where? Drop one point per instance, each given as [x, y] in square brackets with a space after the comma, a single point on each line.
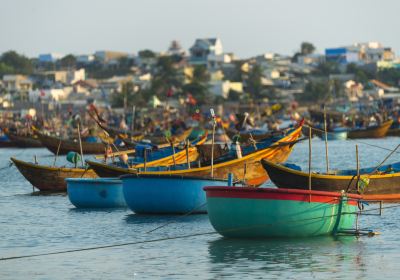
[173, 176]
[46, 167]
[100, 180]
[327, 176]
[226, 190]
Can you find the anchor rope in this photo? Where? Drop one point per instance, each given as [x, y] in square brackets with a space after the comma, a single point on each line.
[174, 237]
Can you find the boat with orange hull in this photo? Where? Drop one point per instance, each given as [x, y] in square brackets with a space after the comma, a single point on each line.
[247, 168]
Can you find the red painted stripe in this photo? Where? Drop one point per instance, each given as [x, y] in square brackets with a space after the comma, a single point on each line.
[277, 194]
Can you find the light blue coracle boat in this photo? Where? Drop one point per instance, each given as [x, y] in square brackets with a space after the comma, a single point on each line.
[95, 193]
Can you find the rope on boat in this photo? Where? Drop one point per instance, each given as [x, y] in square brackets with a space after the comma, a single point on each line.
[8, 166]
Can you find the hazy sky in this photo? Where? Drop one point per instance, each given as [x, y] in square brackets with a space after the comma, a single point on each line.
[246, 28]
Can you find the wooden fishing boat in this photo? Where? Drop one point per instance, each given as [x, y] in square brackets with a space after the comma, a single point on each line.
[49, 178]
[370, 132]
[166, 194]
[174, 138]
[95, 192]
[244, 212]
[257, 135]
[382, 185]
[52, 143]
[24, 141]
[247, 168]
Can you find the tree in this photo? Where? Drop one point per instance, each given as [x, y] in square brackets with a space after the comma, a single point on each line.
[326, 68]
[165, 77]
[199, 91]
[200, 74]
[307, 48]
[147, 54]
[19, 63]
[360, 75]
[390, 76]
[315, 92]
[5, 69]
[68, 61]
[254, 84]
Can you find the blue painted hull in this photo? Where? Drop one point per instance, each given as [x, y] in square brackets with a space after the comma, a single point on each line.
[95, 193]
[148, 194]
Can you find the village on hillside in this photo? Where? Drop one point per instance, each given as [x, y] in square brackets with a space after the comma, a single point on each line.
[204, 74]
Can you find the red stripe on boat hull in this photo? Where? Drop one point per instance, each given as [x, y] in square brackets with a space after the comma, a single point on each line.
[279, 194]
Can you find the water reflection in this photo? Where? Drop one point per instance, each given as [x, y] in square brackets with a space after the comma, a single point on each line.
[160, 219]
[313, 255]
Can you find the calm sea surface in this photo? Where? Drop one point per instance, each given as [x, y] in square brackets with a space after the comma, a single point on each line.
[32, 224]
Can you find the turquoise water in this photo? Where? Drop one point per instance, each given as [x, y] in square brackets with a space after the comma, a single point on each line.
[32, 224]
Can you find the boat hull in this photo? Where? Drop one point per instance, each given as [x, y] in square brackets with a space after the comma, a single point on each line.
[145, 194]
[66, 146]
[24, 141]
[95, 193]
[243, 212]
[373, 132]
[48, 178]
[380, 186]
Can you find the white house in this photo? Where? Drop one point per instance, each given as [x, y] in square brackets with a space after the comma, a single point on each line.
[208, 52]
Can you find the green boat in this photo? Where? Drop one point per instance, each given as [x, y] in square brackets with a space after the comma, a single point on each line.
[247, 212]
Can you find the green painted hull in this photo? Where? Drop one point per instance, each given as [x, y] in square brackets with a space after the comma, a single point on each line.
[263, 218]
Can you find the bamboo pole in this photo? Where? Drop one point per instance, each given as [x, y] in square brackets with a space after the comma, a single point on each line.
[133, 118]
[80, 144]
[212, 143]
[309, 160]
[56, 155]
[187, 153]
[326, 143]
[358, 168]
[173, 152]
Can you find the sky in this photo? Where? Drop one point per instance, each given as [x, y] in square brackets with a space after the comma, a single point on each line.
[247, 28]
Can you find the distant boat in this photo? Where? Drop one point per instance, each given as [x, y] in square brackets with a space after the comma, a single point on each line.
[255, 134]
[50, 178]
[165, 194]
[95, 192]
[24, 141]
[337, 133]
[382, 185]
[245, 212]
[377, 131]
[52, 143]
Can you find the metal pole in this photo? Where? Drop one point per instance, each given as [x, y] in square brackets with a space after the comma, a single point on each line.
[326, 143]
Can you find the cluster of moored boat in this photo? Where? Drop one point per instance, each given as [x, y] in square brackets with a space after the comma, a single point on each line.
[183, 177]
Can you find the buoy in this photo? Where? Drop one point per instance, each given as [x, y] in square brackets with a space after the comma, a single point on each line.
[73, 157]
